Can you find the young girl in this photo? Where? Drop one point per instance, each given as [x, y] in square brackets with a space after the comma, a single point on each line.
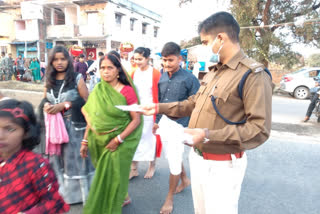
[65, 92]
[27, 182]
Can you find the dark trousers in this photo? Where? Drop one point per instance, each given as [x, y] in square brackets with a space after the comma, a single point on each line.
[312, 105]
[21, 72]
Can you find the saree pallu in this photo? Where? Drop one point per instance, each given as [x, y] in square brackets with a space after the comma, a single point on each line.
[111, 180]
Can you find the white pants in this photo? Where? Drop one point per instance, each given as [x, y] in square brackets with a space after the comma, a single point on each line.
[92, 82]
[174, 154]
[216, 185]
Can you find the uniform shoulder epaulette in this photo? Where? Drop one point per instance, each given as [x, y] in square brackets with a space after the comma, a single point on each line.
[252, 64]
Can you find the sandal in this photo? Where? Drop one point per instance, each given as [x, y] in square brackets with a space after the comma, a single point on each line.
[126, 202]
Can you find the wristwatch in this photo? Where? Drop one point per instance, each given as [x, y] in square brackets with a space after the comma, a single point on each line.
[67, 106]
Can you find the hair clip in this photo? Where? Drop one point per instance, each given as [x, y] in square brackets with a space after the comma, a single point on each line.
[16, 112]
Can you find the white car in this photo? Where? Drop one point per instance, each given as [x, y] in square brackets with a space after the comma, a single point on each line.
[299, 83]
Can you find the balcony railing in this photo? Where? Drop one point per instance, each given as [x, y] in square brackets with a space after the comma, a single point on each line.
[26, 35]
[91, 30]
[62, 31]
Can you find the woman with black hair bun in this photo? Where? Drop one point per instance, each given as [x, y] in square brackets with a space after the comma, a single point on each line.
[65, 92]
[146, 80]
[27, 182]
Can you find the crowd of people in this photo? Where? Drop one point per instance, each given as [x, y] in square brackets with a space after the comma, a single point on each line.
[21, 69]
[94, 147]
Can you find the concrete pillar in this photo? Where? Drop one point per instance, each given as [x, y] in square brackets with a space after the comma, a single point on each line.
[52, 16]
[38, 50]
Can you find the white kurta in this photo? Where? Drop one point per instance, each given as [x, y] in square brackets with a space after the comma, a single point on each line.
[147, 146]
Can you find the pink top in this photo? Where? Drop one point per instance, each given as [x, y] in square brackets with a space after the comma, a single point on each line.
[42, 65]
[130, 95]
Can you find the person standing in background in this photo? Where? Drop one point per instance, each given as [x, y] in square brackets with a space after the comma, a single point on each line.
[82, 67]
[43, 68]
[9, 67]
[90, 61]
[2, 66]
[133, 66]
[35, 69]
[20, 67]
[95, 67]
[90, 73]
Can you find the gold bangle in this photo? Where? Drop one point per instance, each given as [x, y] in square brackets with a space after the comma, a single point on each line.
[116, 139]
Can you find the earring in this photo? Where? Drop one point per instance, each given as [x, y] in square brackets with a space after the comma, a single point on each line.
[118, 76]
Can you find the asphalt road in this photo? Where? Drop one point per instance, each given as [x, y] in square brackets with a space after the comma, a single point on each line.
[282, 175]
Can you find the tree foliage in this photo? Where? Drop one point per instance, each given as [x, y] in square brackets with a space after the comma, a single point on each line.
[274, 43]
[314, 60]
[192, 42]
[182, 2]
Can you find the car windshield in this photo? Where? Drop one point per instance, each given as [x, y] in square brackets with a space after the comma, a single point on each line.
[298, 71]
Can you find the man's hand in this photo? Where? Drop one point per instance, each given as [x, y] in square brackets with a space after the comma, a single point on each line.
[149, 109]
[154, 128]
[198, 135]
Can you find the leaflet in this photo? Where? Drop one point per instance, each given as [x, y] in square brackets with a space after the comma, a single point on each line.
[134, 107]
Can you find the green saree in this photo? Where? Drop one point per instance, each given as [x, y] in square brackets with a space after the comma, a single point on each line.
[35, 67]
[110, 183]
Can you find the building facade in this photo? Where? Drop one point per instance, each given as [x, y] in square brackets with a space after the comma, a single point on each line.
[34, 27]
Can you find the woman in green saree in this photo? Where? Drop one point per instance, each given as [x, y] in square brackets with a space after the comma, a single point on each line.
[112, 137]
[35, 68]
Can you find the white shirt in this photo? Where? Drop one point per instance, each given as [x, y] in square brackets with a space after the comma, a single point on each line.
[95, 66]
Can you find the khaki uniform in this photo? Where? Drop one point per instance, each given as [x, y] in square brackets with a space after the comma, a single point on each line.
[222, 82]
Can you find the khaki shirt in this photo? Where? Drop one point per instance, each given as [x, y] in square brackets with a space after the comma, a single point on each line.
[222, 82]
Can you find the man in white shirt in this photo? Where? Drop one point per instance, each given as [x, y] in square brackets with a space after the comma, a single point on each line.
[95, 67]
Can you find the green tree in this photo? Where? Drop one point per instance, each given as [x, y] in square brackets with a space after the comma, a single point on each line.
[274, 43]
[192, 42]
[314, 60]
[182, 2]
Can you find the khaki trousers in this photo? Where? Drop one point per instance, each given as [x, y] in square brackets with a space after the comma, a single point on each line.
[216, 185]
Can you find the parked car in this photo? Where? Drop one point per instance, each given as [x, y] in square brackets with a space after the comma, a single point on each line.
[299, 83]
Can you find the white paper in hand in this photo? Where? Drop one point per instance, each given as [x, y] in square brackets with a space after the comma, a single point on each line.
[134, 107]
[170, 130]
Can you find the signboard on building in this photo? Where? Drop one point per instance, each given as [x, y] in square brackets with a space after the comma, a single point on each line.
[49, 45]
[92, 52]
[30, 10]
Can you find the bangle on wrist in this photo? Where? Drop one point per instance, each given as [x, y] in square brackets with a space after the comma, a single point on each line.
[84, 143]
[116, 139]
[119, 139]
[67, 106]
[84, 140]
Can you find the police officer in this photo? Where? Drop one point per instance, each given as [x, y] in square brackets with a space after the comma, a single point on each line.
[225, 121]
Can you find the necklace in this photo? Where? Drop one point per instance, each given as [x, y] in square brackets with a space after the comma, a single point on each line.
[115, 87]
[57, 99]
